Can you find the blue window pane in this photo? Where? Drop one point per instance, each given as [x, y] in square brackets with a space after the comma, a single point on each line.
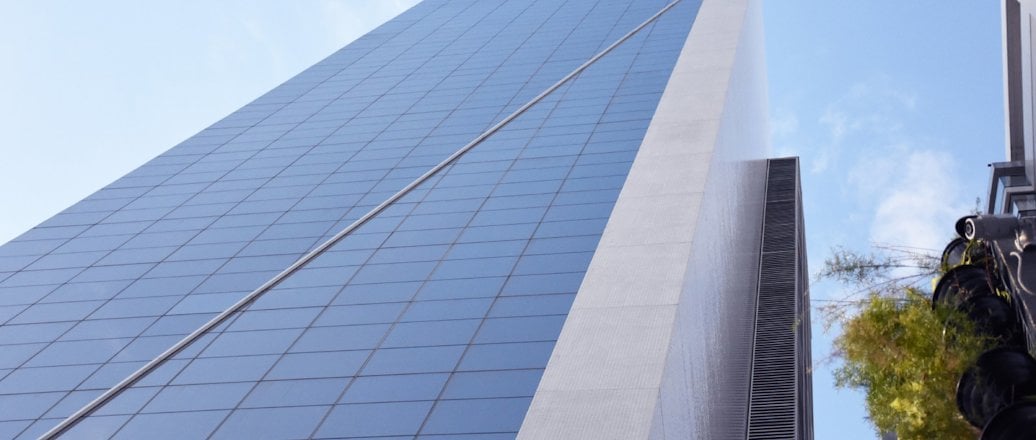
[477, 415]
[274, 319]
[508, 216]
[13, 355]
[135, 307]
[414, 360]
[585, 243]
[96, 427]
[69, 403]
[69, 311]
[553, 263]
[183, 269]
[532, 305]
[176, 324]
[27, 407]
[61, 261]
[331, 276]
[350, 337]
[384, 292]
[23, 295]
[543, 284]
[40, 277]
[212, 370]
[198, 397]
[142, 255]
[178, 285]
[464, 288]
[296, 392]
[297, 297]
[531, 328]
[487, 249]
[360, 314]
[110, 374]
[569, 228]
[336, 258]
[127, 402]
[416, 334]
[501, 232]
[252, 342]
[422, 238]
[471, 268]
[377, 273]
[206, 303]
[507, 356]
[395, 388]
[375, 419]
[498, 436]
[78, 352]
[448, 309]
[272, 423]
[318, 365]
[171, 425]
[43, 379]
[481, 384]
[235, 282]
[409, 254]
[145, 348]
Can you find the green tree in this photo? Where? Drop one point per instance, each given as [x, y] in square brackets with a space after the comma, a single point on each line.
[908, 357]
[904, 353]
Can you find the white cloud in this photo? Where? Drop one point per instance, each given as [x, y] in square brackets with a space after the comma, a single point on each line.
[870, 113]
[907, 99]
[918, 202]
[821, 161]
[837, 123]
[884, 179]
[898, 178]
[874, 172]
[784, 123]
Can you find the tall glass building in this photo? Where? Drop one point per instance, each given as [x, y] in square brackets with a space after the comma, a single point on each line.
[485, 219]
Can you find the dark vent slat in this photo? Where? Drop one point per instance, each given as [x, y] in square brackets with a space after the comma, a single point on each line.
[780, 400]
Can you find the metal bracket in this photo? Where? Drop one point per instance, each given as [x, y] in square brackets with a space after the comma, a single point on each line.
[1013, 241]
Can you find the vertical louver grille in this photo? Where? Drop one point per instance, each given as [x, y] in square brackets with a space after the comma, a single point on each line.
[780, 406]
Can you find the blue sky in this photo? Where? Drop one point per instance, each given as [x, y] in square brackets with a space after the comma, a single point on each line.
[91, 90]
[895, 108]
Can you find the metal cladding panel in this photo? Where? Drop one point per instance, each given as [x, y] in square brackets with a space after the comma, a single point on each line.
[1019, 77]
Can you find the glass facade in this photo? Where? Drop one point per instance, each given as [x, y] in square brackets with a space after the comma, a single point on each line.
[433, 319]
